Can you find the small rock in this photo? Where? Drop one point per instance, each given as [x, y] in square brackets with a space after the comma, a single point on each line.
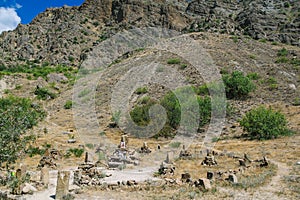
[205, 183]
[178, 182]
[71, 141]
[28, 189]
[298, 163]
[242, 162]
[232, 178]
[185, 176]
[210, 175]
[292, 87]
[56, 78]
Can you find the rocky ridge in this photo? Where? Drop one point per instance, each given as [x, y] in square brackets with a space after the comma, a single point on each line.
[65, 35]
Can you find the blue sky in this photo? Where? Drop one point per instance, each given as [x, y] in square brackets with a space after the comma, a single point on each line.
[13, 12]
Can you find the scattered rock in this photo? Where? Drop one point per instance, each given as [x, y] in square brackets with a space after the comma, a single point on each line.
[292, 87]
[232, 178]
[71, 141]
[204, 183]
[210, 175]
[28, 189]
[185, 154]
[145, 148]
[166, 169]
[209, 160]
[56, 78]
[264, 163]
[185, 176]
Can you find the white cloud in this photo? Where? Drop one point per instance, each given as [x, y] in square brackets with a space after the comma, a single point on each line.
[18, 6]
[9, 19]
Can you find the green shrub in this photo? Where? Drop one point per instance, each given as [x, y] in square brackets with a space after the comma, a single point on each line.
[40, 71]
[235, 38]
[282, 60]
[173, 109]
[96, 23]
[263, 40]
[17, 115]
[173, 61]
[6, 91]
[140, 114]
[271, 80]
[224, 71]
[295, 61]
[252, 56]
[89, 146]
[296, 101]
[264, 123]
[76, 152]
[32, 151]
[273, 86]
[144, 100]
[202, 90]
[141, 90]
[282, 52]
[44, 94]
[68, 104]
[71, 58]
[237, 85]
[18, 87]
[253, 76]
[204, 110]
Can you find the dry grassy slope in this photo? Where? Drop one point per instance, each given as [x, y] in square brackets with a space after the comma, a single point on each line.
[246, 55]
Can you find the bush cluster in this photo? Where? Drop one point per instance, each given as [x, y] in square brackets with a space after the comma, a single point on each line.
[237, 85]
[264, 123]
[140, 113]
[44, 93]
[68, 104]
[17, 115]
[38, 70]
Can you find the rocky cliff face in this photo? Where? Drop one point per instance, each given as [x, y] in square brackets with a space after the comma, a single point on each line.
[65, 35]
[273, 20]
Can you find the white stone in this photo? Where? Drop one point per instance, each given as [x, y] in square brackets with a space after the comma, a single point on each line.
[292, 86]
[28, 189]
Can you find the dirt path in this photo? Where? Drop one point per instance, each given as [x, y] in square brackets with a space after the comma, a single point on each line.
[271, 191]
[139, 175]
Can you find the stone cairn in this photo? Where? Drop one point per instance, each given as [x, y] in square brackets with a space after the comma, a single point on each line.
[48, 160]
[185, 154]
[122, 156]
[209, 160]
[145, 148]
[167, 168]
[88, 173]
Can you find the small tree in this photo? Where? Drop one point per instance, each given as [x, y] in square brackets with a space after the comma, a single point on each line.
[17, 115]
[237, 85]
[264, 123]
